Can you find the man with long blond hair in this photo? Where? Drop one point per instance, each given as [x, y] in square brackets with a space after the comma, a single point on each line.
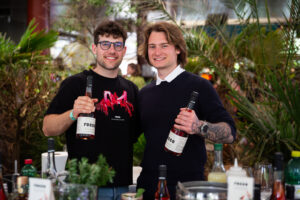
[162, 104]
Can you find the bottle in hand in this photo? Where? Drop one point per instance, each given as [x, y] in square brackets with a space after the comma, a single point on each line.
[86, 122]
[162, 192]
[177, 138]
[278, 191]
[218, 173]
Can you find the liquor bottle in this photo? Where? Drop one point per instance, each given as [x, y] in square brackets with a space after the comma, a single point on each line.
[292, 175]
[278, 191]
[177, 138]
[217, 173]
[51, 171]
[2, 192]
[86, 122]
[162, 192]
[28, 169]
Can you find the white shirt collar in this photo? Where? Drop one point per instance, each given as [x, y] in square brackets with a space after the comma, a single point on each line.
[178, 70]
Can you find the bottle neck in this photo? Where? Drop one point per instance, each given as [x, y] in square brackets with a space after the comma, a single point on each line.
[278, 175]
[218, 161]
[190, 105]
[218, 157]
[51, 161]
[88, 91]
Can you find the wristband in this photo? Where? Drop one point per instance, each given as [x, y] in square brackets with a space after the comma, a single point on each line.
[72, 116]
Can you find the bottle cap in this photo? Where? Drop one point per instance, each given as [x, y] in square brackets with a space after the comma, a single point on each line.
[278, 161]
[51, 145]
[295, 153]
[236, 170]
[162, 170]
[28, 161]
[218, 147]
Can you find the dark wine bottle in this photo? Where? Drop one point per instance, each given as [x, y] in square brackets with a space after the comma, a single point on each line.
[162, 192]
[86, 122]
[278, 191]
[177, 138]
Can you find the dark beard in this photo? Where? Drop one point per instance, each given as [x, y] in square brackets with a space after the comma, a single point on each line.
[103, 65]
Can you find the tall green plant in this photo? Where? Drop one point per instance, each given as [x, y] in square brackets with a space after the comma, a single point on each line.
[25, 89]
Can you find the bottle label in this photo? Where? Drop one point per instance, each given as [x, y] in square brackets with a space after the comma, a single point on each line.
[86, 125]
[175, 142]
[297, 191]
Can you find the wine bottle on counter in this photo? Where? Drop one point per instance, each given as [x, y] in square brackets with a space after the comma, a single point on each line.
[86, 122]
[2, 191]
[162, 192]
[177, 138]
[278, 191]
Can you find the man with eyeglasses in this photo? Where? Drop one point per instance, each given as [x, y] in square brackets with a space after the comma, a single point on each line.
[113, 102]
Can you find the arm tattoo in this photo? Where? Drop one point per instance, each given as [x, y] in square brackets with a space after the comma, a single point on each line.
[217, 132]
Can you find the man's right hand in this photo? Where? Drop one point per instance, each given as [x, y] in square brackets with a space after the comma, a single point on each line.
[56, 124]
[84, 104]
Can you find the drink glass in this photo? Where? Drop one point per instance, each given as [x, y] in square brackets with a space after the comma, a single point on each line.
[263, 175]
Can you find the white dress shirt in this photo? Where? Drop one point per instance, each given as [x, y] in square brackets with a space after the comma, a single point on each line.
[178, 70]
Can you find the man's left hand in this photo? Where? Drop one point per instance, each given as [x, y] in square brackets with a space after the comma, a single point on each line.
[188, 121]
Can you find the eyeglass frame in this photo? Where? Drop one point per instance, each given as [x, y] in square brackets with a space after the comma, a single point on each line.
[108, 42]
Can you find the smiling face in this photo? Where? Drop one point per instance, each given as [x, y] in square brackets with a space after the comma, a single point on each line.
[162, 54]
[108, 61]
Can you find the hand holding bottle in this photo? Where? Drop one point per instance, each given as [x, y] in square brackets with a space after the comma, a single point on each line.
[84, 104]
[177, 138]
[188, 121]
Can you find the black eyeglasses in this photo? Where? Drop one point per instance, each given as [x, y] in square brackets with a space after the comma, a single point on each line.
[105, 45]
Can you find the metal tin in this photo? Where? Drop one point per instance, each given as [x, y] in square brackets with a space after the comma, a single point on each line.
[201, 190]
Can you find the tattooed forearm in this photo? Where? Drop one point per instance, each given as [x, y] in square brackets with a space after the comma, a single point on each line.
[217, 132]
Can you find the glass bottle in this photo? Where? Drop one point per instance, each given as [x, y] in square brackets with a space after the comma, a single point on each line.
[51, 171]
[2, 192]
[14, 178]
[292, 175]
[217, 173]
[177, 138]
[86, 122]
[162, 192]
[278, 191]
